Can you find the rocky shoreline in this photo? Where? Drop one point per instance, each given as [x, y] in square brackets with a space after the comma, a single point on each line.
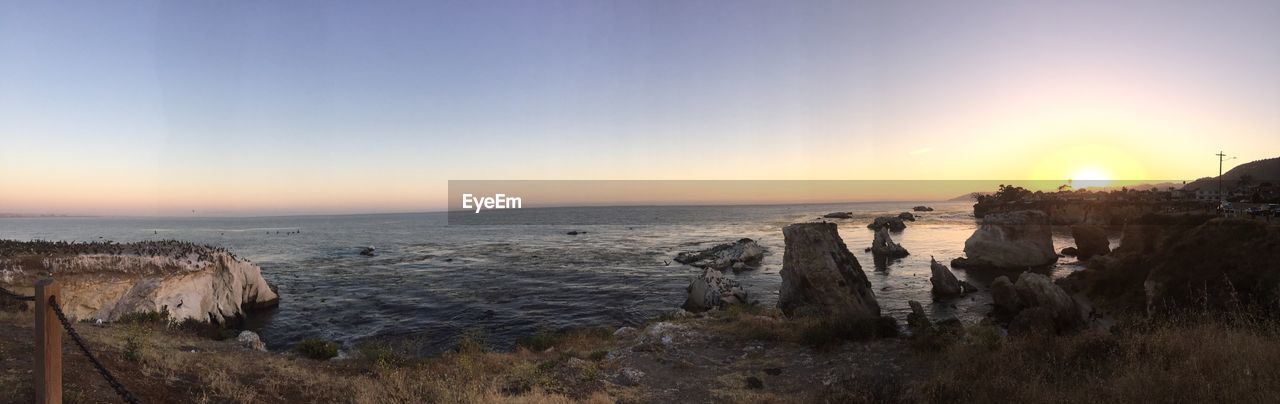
[105, 281]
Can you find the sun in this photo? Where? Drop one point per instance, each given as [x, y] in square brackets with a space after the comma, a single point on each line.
[1091, 173]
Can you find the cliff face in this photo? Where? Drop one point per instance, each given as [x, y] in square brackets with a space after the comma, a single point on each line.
[1066, 213]
[206, 286]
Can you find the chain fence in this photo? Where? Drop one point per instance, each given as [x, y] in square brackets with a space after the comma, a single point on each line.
[75, 337]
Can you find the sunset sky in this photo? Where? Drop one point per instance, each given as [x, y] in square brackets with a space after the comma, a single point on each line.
[281, 107]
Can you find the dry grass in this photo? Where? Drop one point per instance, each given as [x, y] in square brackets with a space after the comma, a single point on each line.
[769, 324]
[1174, 360]
[163, 363]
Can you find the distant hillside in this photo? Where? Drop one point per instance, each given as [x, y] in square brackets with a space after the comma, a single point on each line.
[1267, 170]
[968, 197]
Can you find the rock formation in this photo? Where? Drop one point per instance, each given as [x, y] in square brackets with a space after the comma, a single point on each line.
[838, 215]
[1036, 305]
[922, 208]
[739, 255]
[1090, 241]
[1017, 240]
[821, 277]
[1004, 296]
[945, 283]
[713, 290]
[907, 216]
[893, 223]
[188, 282]
[884, 247]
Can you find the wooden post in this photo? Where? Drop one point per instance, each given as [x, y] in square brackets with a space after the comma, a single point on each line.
[48, 351]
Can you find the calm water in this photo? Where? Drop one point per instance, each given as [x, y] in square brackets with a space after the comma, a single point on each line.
[432, 281]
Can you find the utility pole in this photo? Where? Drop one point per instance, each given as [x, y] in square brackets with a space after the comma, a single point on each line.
[1221, 158]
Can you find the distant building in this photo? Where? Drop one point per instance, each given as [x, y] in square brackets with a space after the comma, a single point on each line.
[1205, 194]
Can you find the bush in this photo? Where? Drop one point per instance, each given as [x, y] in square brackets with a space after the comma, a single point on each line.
[825, 333]
[145, 318]
[317, 349]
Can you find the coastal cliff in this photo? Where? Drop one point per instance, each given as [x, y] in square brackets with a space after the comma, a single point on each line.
[1102, 213]
[105, 281]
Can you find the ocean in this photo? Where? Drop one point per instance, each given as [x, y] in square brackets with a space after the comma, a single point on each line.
[432, 282]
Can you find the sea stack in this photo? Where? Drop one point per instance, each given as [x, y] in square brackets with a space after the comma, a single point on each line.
[1015, 240]
[821, 277]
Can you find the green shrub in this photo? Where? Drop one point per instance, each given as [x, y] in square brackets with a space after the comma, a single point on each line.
[317, 349]
[598, 355]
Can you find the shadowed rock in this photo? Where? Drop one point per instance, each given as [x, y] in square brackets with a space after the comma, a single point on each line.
[1090, 241]
[820, 276]
[893, 223]
[884, 247]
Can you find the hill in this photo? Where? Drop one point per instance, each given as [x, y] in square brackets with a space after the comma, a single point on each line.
[1266, 170]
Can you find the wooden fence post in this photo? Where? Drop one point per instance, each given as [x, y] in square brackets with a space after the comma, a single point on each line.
[48, 351]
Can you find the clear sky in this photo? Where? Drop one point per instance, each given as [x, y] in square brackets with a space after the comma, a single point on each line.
[238, 107]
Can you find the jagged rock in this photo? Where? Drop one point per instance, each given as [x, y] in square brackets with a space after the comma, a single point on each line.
[1070, 251]
[250, 340]
[1004, 296]
[1090, 241]
[893, 223]
[839, 215]
[575, 232]
[713, 290]
[744, 251]
[368, 251]
[944, 282]
[922, 208]
[1037, 291]
[918, 320]
[907, 216]
[820, 275]
[1016, 240]
[197, 283]
[883, 246]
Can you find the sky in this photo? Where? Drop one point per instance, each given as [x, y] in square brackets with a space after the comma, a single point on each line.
[292, 107]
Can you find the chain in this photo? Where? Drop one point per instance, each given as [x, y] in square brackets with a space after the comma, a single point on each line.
[102, 370]
[19, 297]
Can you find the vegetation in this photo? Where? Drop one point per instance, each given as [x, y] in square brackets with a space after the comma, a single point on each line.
[1185, 359]
[317, 349]
[768, 324]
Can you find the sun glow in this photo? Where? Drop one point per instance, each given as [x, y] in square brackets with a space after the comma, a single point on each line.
[1094, 164]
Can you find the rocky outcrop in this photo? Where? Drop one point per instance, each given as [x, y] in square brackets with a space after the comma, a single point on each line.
[1224, 264]
[1070, 251]
[739, 255]
[250, 340]
[368, 251]
[907, 216]
[1036, 305]
[839, 215]
[1090, 241]
[821, 277]
[1017, 240]
[712, 290]
[922, 208]
[187, 282]
[893, 223]
[882, 246]
[945, 283]
[1004, 296]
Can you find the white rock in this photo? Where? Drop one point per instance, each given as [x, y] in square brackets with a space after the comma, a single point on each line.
[249, 339]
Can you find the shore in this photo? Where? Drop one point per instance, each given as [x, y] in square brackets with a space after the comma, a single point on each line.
[730, 356]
